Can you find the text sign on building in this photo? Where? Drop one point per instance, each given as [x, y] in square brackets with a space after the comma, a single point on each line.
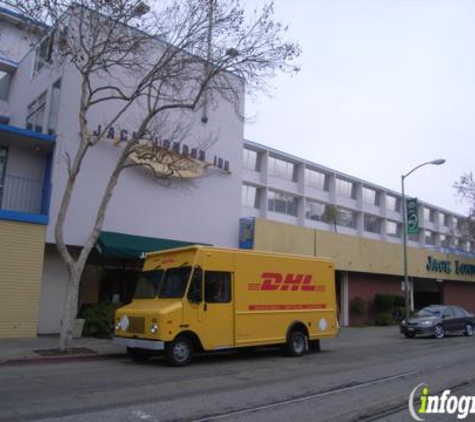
[412, 216]
[446, 266]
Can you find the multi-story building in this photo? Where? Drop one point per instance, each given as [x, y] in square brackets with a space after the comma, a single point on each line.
[295, 205]
[284, 204]
[25, 188]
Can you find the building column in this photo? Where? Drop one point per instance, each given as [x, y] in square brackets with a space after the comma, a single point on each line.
[344, 300]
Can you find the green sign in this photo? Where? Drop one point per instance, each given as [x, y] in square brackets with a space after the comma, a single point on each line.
[412, 216]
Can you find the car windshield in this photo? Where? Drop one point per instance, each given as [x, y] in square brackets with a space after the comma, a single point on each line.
[174, 283]
[148, 284]
[429, 312]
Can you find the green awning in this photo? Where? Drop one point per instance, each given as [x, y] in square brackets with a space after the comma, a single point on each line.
[126, 246]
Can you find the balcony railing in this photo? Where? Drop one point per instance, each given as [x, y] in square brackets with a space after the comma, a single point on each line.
[21, 195]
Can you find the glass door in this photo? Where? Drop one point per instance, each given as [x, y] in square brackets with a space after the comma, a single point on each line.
[3, 166]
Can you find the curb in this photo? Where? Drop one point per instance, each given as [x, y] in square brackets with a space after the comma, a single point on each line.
[58, 359]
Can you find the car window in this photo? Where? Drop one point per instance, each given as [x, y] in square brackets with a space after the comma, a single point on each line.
[448, 312]
[429, 312]
[459, 312]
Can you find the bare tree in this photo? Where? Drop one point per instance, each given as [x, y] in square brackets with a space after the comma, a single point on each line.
[159, 58]
[465, 189]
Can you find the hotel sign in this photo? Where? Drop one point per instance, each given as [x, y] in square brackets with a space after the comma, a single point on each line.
[194, 159]
[447, 266]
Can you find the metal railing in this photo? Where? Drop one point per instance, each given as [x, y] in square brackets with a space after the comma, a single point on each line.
[21, 194]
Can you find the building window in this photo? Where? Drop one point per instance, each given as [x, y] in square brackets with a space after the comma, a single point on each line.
[315, 211]
[346, 218]
[283, 169]
[393, 203]
[282, 203]
[250, 159]
[371, 197]
[443, 220]
[316, 179]
[217, 287]
[54, 107]
[36, 114]
[250, 197]
[5, 81]
[345, 188]
[445, 241]
[429, 237]
[393, 229]
[429, 215]
[44, 52]
[372, 223]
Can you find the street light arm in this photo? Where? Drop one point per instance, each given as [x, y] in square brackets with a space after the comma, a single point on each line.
[437, 162]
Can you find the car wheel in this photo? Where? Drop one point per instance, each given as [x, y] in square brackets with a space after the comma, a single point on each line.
[138, 355]
[468, 330]
[179, 352]
[296, 344]
[439, 331]
[410, 335]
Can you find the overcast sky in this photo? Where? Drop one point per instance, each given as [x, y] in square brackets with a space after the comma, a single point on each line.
[385, 85]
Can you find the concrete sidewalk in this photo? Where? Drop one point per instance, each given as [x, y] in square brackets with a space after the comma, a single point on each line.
[31, 350]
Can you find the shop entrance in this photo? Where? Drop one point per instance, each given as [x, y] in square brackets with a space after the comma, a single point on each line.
[427, 292]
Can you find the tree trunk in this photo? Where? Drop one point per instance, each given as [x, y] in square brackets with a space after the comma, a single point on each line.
[70, 309]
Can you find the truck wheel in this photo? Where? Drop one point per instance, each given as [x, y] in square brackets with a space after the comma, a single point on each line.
[296, 344]
[179, 352]
[138, 355]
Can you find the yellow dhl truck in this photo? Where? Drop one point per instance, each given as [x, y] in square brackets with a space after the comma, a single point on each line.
[205, 298]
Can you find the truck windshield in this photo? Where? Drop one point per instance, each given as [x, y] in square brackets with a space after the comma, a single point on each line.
[174, 283]
[148, 284]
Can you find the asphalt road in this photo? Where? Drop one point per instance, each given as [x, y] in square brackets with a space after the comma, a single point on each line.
[364, 375]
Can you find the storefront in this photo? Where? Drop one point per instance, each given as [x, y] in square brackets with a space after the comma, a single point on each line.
[367, 267]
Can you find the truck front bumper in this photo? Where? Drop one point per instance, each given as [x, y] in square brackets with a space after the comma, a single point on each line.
[140, 344]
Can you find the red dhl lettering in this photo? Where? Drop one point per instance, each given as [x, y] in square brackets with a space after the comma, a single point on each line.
[169, 260]
[289, 282]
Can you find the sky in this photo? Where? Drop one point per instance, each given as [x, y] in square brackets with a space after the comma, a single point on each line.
[384, 86]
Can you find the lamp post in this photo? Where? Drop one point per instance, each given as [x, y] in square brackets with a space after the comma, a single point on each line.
[437, 162]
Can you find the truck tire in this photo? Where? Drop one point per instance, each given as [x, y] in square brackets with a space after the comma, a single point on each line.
[296, 344]
[179, 352]
[138, 355]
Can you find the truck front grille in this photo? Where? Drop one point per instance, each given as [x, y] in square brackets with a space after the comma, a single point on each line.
[136, 325]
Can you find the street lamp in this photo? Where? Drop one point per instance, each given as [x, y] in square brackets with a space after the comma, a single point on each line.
[437, 162]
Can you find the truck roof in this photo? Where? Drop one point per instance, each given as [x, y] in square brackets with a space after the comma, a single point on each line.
[240, 251]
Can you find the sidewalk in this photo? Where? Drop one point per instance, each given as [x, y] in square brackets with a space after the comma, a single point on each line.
[35, 350]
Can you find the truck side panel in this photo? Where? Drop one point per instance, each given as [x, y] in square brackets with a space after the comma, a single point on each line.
[272, 294]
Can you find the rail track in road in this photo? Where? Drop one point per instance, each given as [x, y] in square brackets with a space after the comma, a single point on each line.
[371, 416]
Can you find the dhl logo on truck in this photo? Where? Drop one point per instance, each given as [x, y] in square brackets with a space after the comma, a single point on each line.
[288, 282]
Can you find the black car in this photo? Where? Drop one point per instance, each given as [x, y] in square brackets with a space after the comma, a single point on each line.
[437, 320]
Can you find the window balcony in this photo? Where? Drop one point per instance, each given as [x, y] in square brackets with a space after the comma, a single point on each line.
[25, 175]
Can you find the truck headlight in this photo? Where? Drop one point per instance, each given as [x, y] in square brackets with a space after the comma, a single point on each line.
[154, 328]
[117, 325]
